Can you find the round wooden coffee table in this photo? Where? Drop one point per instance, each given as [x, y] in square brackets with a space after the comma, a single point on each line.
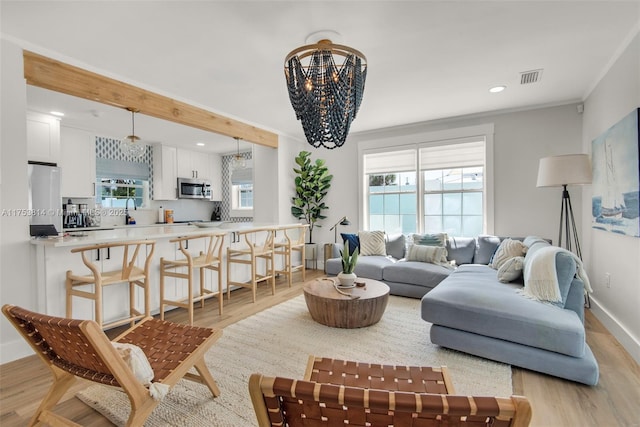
[346, 308]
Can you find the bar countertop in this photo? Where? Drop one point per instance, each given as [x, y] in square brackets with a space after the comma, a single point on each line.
[143, 232]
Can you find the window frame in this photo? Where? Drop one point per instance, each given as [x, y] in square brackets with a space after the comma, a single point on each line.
[235, 210]
[443, 191]
[425, 139]
[143, 188]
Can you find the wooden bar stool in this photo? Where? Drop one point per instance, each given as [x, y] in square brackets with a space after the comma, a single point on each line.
[293, 242]
[209, 259]
[133, 253]
[249, 255]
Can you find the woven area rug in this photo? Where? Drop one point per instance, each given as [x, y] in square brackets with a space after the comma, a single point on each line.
[278, 341]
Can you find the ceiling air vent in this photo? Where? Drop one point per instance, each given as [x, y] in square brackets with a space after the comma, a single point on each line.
[532, 76]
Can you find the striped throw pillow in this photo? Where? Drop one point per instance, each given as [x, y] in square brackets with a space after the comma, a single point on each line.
[437, 239]
[427, 253]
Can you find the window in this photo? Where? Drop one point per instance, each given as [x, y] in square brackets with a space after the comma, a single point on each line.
[242, 196]
[391, 191]
[120, 193]
[431, 187]
[453, 187]
[392, 202]
[453, 201]
[241, 185]
[122, 183]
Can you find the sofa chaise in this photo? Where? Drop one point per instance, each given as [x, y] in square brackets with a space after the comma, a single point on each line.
[472, 311]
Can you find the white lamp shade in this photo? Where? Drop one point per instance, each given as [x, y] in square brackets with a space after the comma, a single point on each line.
[556, 171]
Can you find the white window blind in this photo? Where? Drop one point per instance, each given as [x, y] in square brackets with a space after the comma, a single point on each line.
[393, 161]
[455, 154]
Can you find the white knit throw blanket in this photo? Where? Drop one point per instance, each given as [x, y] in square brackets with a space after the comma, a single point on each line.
[540, 276]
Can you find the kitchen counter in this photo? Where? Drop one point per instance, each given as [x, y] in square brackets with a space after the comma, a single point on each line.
[53, 258]
[85, 237]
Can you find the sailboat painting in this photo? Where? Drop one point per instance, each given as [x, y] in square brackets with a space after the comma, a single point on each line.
[615, 205]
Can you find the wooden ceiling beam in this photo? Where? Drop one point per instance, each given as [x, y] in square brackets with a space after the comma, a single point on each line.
[60, 77]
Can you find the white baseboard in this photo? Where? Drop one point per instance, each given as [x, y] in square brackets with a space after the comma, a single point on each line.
[14, 350]
[617, 330]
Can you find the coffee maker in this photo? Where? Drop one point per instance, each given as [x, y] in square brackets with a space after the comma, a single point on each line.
[75, 216]
[70, 212]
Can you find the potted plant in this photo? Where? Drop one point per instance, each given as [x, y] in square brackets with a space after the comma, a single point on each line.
[312, 185]
[347, 277]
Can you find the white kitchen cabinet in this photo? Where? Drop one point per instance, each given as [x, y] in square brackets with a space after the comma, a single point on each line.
[43, 138]
[165, 173]
[194, 164]
[77, 163]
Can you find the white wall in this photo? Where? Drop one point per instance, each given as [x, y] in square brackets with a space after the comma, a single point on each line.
[15, 262]
[615, 96]
[520, 140]
[265, 180]
[288, 149]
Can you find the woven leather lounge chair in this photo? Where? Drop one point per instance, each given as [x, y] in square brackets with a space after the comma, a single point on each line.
[287, 402]
[79, 348]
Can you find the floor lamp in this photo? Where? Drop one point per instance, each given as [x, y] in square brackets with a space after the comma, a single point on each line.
[343, 221]
[328, 247]
[560, 171]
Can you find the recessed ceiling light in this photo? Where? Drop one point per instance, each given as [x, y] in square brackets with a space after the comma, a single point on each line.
[200, 144]
[57, 113]
[497, 89]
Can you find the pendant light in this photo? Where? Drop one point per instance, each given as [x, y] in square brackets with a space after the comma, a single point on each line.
[131, 145]
[325, 82]
[238, 161]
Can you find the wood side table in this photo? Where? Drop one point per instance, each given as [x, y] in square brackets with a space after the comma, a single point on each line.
[347, 308]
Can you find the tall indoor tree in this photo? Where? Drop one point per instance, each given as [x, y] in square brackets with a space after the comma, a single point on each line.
[312, 185]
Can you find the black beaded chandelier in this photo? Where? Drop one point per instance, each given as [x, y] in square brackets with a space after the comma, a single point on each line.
[324, 93]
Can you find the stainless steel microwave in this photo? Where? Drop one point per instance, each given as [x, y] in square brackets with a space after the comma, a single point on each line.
[189, 188]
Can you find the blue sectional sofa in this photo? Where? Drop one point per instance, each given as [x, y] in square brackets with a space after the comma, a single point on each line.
[471, 311]
[411, 278]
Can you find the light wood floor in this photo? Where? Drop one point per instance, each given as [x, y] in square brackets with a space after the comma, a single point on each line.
[615, 401]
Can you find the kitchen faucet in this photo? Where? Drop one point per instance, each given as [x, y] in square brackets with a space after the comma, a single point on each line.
[127, 217]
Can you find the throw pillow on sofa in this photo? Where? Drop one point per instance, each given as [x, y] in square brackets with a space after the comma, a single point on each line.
[429, 254]
[487, 246]
[511, 269]
[437, 239]
[396, 245]
[372, 243]
[509, 248]
[354, 241]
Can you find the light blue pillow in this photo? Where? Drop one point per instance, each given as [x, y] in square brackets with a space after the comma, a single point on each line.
[396, 245]
[487, 246]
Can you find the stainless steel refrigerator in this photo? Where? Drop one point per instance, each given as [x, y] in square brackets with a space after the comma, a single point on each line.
[45, 201]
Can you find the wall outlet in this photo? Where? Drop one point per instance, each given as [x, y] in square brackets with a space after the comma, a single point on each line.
[607, 280]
